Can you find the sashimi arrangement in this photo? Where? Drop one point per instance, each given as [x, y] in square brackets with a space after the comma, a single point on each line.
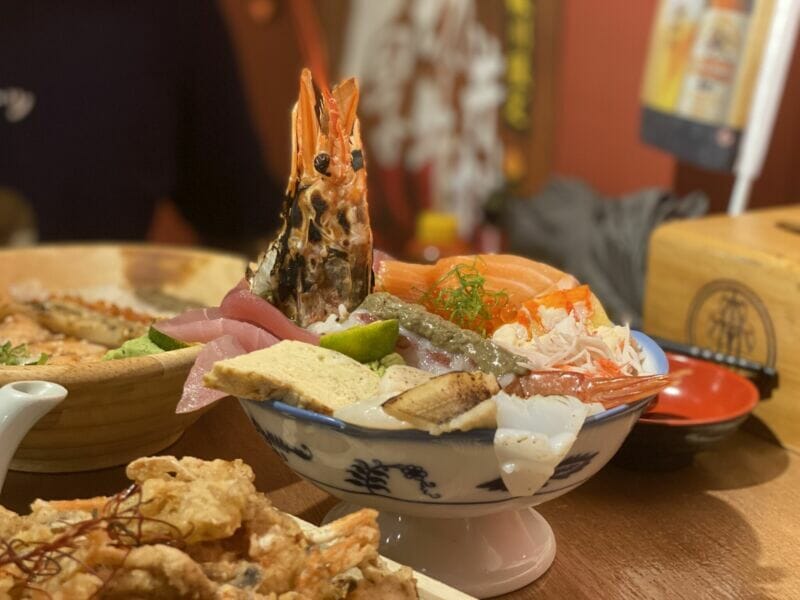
[325, 322]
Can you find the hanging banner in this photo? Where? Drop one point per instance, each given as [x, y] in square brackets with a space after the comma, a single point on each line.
[699, 77]
[447, 106]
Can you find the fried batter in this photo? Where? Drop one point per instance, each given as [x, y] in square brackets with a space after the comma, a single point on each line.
[159, 572]
[204, 499]
[190, 529]
[341, 545]
[377, 583]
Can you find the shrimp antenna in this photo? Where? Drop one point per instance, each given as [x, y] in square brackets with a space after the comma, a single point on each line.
[312, 45]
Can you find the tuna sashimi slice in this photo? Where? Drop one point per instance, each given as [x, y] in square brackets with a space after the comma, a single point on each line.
[190, 316]
[244, 305]
[195, 394]
[242, 285]
[249, 336]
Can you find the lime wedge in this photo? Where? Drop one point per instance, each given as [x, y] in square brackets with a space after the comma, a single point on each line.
[364, 343]
[163, 341]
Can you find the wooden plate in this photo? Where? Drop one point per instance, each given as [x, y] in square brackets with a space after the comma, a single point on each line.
[116, 411]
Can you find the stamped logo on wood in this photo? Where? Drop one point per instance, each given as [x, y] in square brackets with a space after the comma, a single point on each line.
[729, 317]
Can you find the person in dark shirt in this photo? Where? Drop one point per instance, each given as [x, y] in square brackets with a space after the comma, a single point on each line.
[107, 107]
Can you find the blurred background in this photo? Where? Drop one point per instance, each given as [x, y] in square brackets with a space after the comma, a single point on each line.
[569, 74]
[489, 125]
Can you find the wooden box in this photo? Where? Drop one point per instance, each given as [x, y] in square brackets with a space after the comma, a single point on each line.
[732, 284]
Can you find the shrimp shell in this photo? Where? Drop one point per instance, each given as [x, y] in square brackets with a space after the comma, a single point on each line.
[609, 392]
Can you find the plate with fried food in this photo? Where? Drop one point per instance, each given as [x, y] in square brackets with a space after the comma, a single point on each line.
[188, 528]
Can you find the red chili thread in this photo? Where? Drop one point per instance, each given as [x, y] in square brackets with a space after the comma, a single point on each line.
[40, 561]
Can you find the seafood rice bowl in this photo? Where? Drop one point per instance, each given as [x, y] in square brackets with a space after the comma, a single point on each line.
[412, 473]
[476, 383]
[474, 387]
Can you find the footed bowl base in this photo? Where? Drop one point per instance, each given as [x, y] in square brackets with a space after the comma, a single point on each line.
[481, 556]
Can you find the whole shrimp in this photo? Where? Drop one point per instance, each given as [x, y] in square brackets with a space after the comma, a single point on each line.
[322, 257]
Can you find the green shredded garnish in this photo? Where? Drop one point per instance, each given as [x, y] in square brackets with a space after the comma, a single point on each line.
[15, 356]
[392, 359]
[460, 297]
[380, 366]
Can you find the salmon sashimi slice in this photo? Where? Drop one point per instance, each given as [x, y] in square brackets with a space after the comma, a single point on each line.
[520, 278]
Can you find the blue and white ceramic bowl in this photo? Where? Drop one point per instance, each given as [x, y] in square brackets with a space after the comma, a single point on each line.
[414, 473]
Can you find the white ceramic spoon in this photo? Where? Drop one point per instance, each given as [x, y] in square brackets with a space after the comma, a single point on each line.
[22, 404]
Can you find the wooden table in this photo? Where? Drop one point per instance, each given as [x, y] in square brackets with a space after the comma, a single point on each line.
[728, 527]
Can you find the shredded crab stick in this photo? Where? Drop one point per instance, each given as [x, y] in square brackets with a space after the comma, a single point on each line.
[520, 278]
[569, 330]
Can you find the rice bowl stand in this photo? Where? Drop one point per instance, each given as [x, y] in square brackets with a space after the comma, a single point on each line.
[459, 525]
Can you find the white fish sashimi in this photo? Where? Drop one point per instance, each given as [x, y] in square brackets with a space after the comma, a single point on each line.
[533, 436]
[370, 413]
[418, 351]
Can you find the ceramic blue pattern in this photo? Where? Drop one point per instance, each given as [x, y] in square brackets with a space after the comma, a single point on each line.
[281, 447]
[413, 473]
[567, 467]
[495, 485]
[572, 464]
[375, 476]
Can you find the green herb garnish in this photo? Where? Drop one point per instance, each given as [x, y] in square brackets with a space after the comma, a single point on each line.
[18, 356]
[380, 366]
[460, 296]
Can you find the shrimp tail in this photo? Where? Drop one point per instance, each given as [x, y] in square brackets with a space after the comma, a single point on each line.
[624, 390]
[609, 392]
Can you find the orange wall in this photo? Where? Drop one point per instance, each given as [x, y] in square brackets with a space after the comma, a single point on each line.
[602, 54]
